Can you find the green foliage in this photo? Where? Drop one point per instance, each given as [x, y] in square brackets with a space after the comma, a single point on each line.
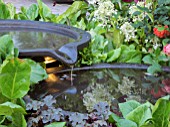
[73, 13]
[15, 79]
[16, 75]
[4, 11]
[37, 71]
[56, 124]
[6, 49]
[143, 115]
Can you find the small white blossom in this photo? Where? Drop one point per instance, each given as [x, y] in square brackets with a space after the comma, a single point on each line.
[134, 8]
[129, 31]
[104, 12]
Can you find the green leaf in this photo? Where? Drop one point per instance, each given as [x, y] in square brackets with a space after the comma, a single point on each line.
[15, 79]
[129, 55]
[2, 118]
[18, 120]
[113, 117]
[125, 122]
[4, 11]
[38, 73]
[8, 108]
[118, 38]
[72, 10]
[56, 124]
[155, 67]
[32, 12]
[6, 48]
[12, 10]
[44, 11]
[128, 106]
[3, 98]
[113, 55]
[147, 59]
[161, 113]
[140, 114]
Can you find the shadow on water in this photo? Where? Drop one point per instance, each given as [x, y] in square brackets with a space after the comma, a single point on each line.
[85, 88]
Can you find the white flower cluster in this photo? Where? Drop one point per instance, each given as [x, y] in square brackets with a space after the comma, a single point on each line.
[96, 2]
[104, 12]
[129, 31]
[134, 8]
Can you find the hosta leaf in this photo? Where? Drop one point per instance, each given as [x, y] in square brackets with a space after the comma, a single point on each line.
[37, 71]
[15, 79]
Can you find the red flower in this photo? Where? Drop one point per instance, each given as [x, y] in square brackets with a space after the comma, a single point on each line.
[158, 94]
[166, 83]
[161, 33]
[166, 49]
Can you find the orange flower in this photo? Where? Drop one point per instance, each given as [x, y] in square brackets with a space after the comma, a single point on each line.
[163, 33]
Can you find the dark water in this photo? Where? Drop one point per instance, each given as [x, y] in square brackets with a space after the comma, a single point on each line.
[91, 87]
[36, 39]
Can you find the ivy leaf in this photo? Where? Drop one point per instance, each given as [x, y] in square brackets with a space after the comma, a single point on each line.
[38, 73]
[15, 79]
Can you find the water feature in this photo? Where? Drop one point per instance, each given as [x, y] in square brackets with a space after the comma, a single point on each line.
[37, 40]
[95, 85]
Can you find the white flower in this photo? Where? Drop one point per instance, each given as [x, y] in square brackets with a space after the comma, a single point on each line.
[104, 12]
[134, 8]
[129, 31]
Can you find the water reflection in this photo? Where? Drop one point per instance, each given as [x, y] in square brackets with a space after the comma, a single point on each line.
[91, 87]
[36, 39]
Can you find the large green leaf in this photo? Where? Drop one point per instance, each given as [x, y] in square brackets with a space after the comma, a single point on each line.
[118, 38]
[32, 12]
[56, 124]
[8, 108]
[37, 72]
[161, 113]
[15, 79]
[12, 10]
[4, 11]
[140, 114]
[6, 48]
[3, 98]
[129, 55]
[45, 11]
[125, 123]
[113, 55]
[18, 120]
[128, 106]
[72, 10]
